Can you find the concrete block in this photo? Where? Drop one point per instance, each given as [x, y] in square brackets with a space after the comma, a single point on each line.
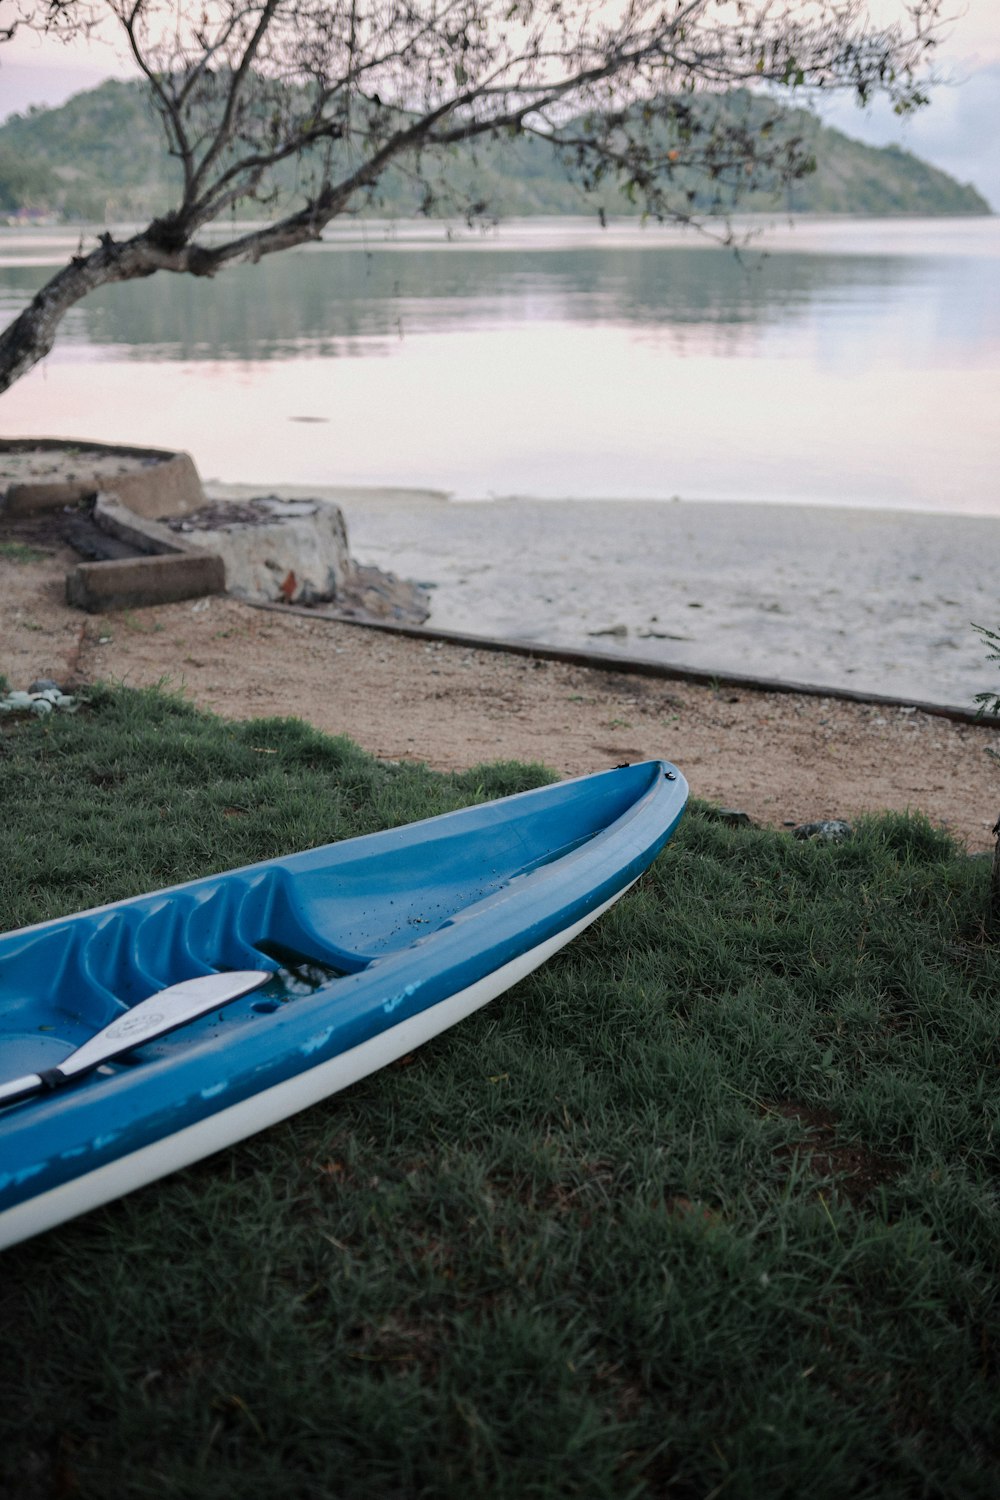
[130, 583]
[170, 488]
[150, 481]
[291, 550]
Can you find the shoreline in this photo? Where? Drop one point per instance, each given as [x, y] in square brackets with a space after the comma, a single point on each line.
[631, 666]
[779, 757]
[879, 602]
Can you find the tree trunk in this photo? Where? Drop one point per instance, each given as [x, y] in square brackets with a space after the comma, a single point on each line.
[31, 335]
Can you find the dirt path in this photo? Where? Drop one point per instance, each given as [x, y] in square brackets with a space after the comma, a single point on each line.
[778, 757]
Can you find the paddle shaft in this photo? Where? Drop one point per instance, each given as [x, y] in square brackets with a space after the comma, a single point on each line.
[151, 1018]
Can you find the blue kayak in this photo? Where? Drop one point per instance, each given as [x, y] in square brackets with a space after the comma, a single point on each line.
[320, 968]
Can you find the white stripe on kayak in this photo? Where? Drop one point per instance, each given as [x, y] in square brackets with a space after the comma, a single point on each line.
[227, 1126]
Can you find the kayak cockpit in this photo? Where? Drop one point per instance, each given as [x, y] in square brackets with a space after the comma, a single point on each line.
[310, 919]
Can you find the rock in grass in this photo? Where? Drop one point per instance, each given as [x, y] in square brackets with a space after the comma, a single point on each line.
[828, 831]
[38, 703]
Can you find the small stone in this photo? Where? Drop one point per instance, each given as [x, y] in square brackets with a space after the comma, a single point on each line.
[40, 704]
[44, 685]
[827, 831]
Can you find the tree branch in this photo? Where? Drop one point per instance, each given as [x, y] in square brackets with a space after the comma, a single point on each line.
[224, 131]
[250, 84]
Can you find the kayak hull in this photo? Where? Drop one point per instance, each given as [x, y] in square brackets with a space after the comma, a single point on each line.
[376, 945]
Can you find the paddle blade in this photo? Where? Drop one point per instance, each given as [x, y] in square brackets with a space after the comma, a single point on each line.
[151, 1018]
[160, 1013]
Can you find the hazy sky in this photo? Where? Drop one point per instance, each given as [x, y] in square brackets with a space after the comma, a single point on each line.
[959, 132]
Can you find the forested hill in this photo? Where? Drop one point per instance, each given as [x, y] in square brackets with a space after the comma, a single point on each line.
[101, 156]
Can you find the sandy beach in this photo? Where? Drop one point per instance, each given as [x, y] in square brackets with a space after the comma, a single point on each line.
[782, 758]
[878, 601]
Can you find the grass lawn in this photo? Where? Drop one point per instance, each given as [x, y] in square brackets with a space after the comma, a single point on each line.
[707, 1206]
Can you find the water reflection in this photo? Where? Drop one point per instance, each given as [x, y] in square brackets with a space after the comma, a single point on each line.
[339, 302]
[857, 363]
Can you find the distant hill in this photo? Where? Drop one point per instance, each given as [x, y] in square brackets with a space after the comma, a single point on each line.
[101, 157]
[102, 150]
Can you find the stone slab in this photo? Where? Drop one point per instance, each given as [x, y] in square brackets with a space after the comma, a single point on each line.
[121, 521]
[132, 582]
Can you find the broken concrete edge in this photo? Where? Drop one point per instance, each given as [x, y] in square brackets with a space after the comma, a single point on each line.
[131, 582]
[637, 666]
[169, 485]
[170, 570]
[87, 588]
[292, 562]
[151, 537]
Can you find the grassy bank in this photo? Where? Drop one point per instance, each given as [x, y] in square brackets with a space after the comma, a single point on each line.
[707, 1206]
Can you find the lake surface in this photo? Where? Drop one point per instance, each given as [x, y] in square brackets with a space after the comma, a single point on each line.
[857, 363]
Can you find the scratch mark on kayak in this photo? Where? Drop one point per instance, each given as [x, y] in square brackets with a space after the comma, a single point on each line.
[390, 1005]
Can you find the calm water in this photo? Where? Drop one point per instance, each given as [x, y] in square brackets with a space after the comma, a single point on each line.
[857, 363]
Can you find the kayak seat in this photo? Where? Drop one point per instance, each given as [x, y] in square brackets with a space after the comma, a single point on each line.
[70, 978]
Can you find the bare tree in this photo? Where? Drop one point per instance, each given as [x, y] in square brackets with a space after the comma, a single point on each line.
[626, 90]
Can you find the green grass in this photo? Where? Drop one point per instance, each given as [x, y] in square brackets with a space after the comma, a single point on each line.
[20, 552]
[707, 1206]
